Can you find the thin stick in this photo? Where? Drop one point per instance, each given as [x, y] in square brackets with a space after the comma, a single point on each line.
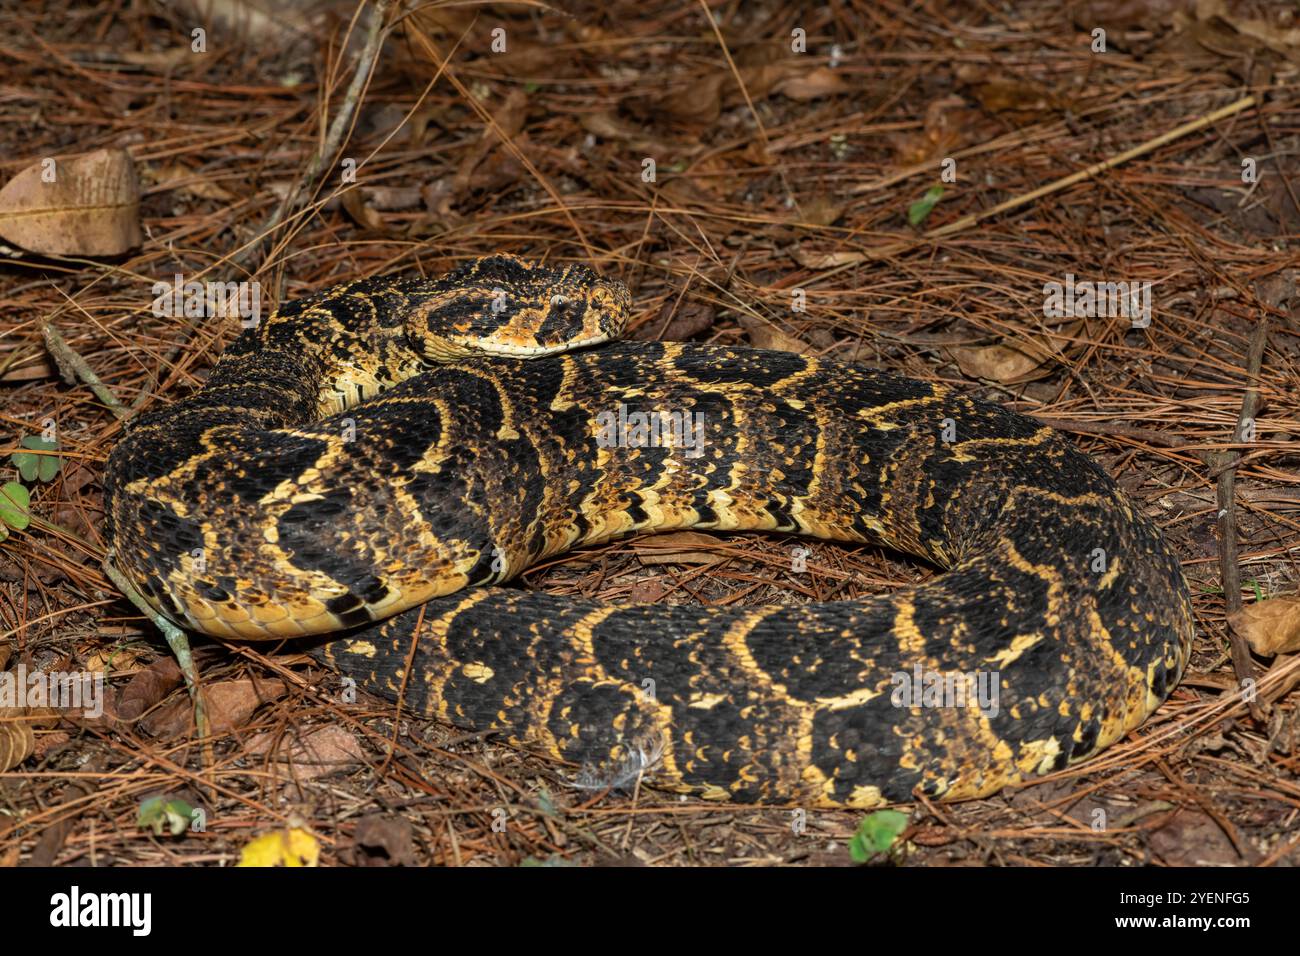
[176, 639]
[965, 222]
[1177, 132]
[333, 137]
[1225, 463]
[74, 366]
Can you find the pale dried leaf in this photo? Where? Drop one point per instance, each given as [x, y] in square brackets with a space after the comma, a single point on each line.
[229, 706]
[764, 335]
[823, 81]
[1011, 362]
[91, 209]
[811, 259]
[324, 750]
[1270, 627]
[17, 742]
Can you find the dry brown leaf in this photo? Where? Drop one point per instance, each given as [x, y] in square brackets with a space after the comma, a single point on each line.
[607, 125]
[822, 81]
[253, 18]
[509, 119]
[1003, 95]
[765, 335]
[1193, 838]
[698, 103]
[949, 124]
[383, 841]
[647, 591]
[229, 705]
[184, 180]
[147, 688]
[680, 547]
[393, 198]
[821, 211]
[158, 59]
[362, 213]
[17, 742]
[677, 321]
[810, 259]
[761, 79]
[324, 750]
[683, 191]
[1263, 32]
[111, 660]
[92, 208]
[1270, 627]
[18, 723]
[1011, 362]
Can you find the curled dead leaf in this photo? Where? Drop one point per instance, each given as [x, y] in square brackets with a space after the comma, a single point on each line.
[322, 751]
[18, 722]
[17, 742]
[821, 210]
[811, 259]
[1014, 361]
[1270, 627]
[383, 841]
[177, 177]
[822, 81]
[229, 705]
[765, 335]
[698, 103]
[82, 205]
[362, 213]
[677, 321]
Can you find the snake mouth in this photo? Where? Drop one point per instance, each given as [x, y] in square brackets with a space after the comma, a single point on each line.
[506, 350]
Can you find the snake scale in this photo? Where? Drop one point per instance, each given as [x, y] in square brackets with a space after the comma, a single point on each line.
[373, 461]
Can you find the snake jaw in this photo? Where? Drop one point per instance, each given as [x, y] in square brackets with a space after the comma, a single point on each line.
[511, 308]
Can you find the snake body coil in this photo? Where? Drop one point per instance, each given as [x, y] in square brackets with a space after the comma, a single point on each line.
[328, 478]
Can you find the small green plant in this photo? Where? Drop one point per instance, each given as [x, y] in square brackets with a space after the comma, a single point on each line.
[33, 466]
[156, 813]
[36, 467]
[14, 500]
[877, 833]
[919, 210]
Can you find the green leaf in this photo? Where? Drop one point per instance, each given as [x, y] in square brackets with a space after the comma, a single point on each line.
[876, 834]
[532, 87]
[14, 500]
[917, 212]
[547, 805]
[36, 467]
[175, 814]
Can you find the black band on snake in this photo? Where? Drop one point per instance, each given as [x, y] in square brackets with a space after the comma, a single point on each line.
[377, 459]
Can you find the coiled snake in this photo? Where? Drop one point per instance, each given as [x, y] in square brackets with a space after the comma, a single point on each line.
[373, 459]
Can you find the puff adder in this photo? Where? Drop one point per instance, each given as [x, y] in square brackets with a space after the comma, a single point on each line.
[372, 462]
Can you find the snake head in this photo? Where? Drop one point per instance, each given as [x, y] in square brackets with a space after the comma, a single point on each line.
[515, 308]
